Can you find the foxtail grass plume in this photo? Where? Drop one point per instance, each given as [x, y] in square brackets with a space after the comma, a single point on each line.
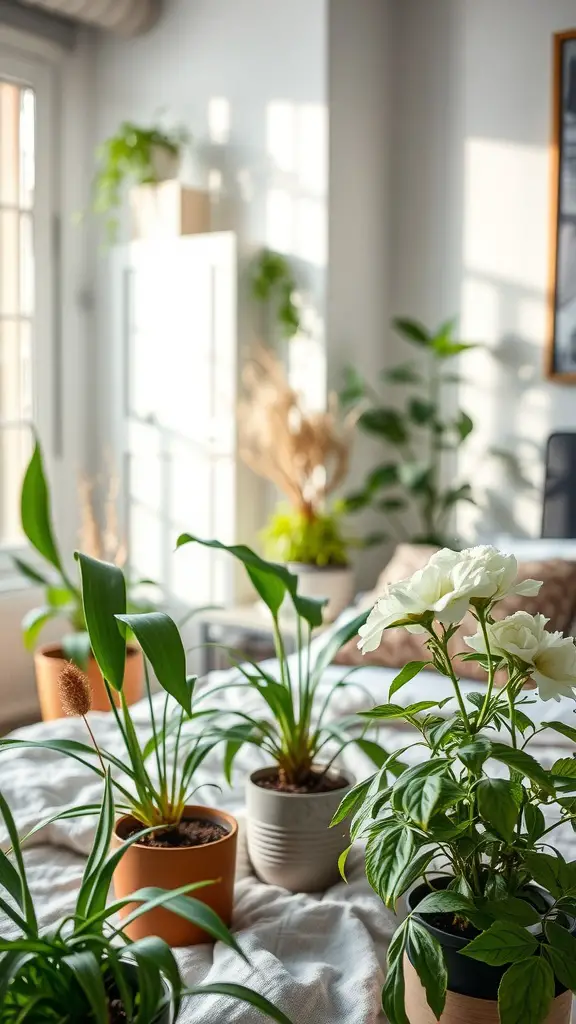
[75, 691]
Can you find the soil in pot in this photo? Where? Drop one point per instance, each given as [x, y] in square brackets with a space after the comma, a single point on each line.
[315, 782]
[190, 832]
[167, 864]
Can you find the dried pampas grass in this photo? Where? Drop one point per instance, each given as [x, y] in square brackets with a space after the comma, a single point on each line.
[305, 454]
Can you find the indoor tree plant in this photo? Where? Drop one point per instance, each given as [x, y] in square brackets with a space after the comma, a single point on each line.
[306, 455]
[136, 155]
[188, 842]
[290, 802]
[274, 285]
[490, 928]
[407, 487]
[63, 600]
[83, 969]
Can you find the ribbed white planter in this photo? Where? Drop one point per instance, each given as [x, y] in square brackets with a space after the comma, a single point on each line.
[165, 165]
[289, 841]
[337, 584]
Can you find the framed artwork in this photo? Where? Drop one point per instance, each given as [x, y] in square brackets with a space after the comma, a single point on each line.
[561, 349]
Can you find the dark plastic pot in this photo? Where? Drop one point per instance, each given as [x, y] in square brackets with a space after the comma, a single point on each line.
[466, 976]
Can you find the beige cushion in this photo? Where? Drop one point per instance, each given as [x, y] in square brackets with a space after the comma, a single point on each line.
[556, 600]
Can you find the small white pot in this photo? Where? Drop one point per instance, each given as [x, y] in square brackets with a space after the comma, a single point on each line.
[165, 165]
[288, 835]
[337, 584]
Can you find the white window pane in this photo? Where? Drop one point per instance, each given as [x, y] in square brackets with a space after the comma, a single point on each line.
[145, 555]
[9, 262]
[9, 143]
[26, 265]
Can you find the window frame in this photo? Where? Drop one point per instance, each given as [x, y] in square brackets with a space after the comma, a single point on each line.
[35, 63]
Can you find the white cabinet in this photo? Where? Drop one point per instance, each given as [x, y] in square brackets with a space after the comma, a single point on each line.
[176, 381]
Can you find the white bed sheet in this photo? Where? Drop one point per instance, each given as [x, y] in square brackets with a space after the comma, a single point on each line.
[319, 958]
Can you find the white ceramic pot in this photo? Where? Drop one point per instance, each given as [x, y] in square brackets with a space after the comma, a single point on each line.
[288, 835]
[337, 584]
[165, 165]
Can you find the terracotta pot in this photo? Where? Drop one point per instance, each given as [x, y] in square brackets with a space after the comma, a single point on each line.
[472, 996]
[169, 868]
[49, 662]
[335, 583]
[288, 836]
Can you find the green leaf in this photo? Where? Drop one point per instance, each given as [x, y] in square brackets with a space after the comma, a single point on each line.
[408, 672]
[512, 909]
[383, 476]
[388, 854]
[35, 510]
[103, 598]
[240, 992]
[373, 750]
[565, 730]
[474, 754]
[445, 901]
[562, 954]
[162, 644]
[412, 330]
[76, 648]
[384, 422]
[393, 993]
[100, 847]
[504, 942]
[25, 900]
[412, 873]
[270, 580]
[464, 425]
[426, 955]
[421, 797]
[415, 476]
[33, 624]
[444, 348]
[456, 494]
[395, 711]
[185, 906]
[85, 969]
[526, 992]
[404, 373]
[535, 822]
[30, 572]
[525, 764]
[352, 800]
[565, 766]
[330, 647]
[421, 411]
[354, 387]
[545, 870]
[499, 802]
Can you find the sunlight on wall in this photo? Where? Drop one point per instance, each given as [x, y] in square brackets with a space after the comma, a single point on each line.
[219, 119]
[506, 211]
[503, 302]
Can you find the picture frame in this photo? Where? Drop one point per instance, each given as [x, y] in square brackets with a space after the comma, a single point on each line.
[561, 342]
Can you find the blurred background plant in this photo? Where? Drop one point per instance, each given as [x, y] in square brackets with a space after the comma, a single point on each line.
[100, 537]
[274, 286]
[305, 454]
[135, 155]
[407, 487]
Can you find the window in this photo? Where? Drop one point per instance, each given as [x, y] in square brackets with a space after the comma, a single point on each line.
[27, 372]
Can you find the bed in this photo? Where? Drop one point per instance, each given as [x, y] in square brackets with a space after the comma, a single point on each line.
[319, 958]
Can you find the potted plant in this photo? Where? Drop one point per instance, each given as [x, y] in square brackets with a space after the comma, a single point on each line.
[407, 487]
[489, 934]
[84, 969]
[135, 155]
[63, 599]
[188, 842]
[291, 800]
[306, 455]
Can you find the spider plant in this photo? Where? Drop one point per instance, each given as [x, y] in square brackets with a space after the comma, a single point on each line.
[160, 774]
[296, 732]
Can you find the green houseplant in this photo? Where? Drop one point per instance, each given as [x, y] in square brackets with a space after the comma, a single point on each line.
[407, 487]
[305, 454]
[274, 285]
[137, 155]
[189, 842]
[287, 845]
[492, 914]
[63, 600]
[83, 969]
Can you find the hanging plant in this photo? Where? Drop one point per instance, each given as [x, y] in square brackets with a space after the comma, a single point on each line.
[274, 285]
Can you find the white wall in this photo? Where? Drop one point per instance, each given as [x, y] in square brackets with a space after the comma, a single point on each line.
[359, 46]
[470, 217]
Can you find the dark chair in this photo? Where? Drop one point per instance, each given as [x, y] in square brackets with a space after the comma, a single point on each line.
[559, 505]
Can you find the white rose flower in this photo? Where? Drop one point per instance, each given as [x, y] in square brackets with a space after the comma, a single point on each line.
[490, 573]
[550, 658]
[554, 670]
[520, 635]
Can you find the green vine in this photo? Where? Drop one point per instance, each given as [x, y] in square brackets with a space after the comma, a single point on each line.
[274, 285]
